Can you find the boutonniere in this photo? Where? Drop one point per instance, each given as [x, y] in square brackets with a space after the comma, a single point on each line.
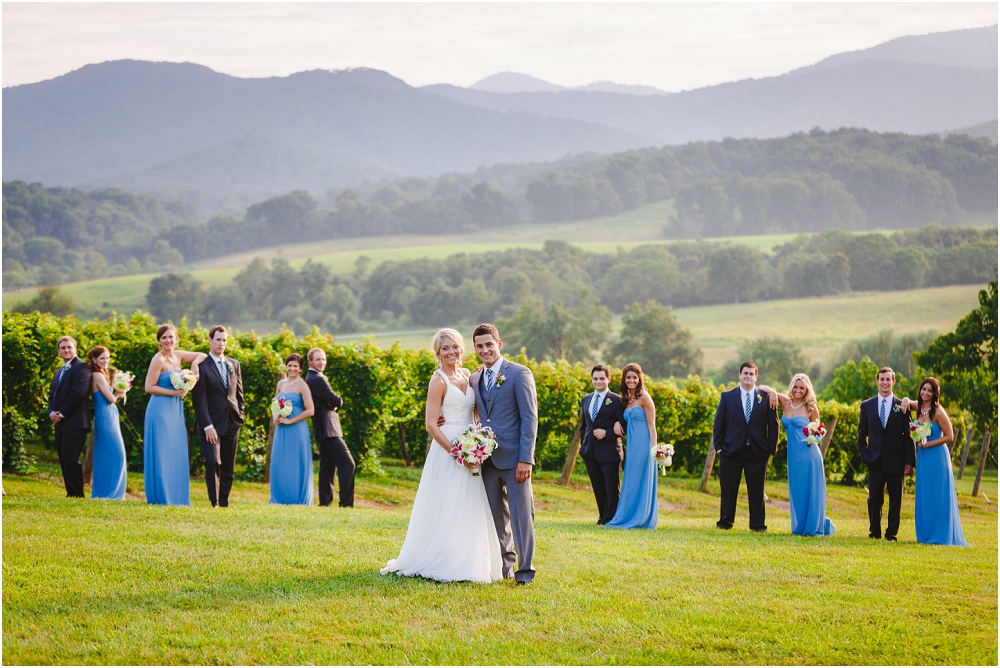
[607, 401]
[758, 398]
[500, 379]
[895, 409]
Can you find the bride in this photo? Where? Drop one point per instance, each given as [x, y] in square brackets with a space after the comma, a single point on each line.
[451, 534]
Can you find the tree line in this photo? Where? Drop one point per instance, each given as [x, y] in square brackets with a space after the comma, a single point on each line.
[847, 179]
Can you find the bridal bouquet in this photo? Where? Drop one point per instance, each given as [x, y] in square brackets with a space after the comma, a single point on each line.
[663, 453]
[474, 445]
[122, 383]
[183, 379]
[919, 431]
[814, 432]
[281, 407]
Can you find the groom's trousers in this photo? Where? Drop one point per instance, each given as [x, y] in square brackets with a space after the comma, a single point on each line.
[513, 508]
[220, 462]
[731, 469]
[877, 480]
[335, 457]
[69, 445]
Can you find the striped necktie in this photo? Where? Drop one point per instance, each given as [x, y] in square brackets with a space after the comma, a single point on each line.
[881, 411]
[489, 380]
[747, 408]
[223, 372]
[595, 406]
[63, 373]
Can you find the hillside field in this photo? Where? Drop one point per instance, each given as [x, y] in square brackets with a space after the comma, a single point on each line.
[92, 582]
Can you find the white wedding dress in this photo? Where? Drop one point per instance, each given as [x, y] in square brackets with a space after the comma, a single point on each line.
[451, 535]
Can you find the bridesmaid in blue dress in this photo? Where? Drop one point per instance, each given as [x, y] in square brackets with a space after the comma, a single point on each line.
[291, 451]
[108, 473]
[806, 478]
[637, 508]
[935, 511]
[165, 442]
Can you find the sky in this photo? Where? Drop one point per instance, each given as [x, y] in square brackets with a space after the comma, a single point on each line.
[672, 46]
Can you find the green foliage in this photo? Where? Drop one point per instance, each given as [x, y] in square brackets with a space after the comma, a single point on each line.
[777, 361]
[558, 333]
[173, 296]
[886, 348]
[49, 299]
[966, 360]
[652, 338]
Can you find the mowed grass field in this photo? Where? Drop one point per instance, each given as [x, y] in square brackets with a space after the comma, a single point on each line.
[96, 582]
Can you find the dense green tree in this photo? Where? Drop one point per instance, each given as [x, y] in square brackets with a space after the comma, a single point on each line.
[737, 273]
[174, 296]
[652, 337]
[253, 283]
[777, 361]
[49, 299]
[558, 333]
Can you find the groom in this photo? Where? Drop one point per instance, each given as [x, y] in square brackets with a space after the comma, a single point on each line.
[745, 435]
[218, 406]
[505, 398]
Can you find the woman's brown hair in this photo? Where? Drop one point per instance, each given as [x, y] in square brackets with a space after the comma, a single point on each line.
[623, 390]
[935, 400]
[92, 356]
[163, 329]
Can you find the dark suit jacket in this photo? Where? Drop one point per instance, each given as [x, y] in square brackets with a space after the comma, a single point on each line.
[608, 449]
[70, 396]
[892, 443]
[213, 404]
[731, 429]
[326, 418]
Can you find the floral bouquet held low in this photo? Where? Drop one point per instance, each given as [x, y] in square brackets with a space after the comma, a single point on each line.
[663, 453]
[281, 407]
[122, 383]
[474, 446]
[919, 431]
[814, 432]
[183, 380]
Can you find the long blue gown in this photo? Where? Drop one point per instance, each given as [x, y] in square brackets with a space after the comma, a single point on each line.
[165, 449]
[291, 459]
[637, 504]
[935, 511]
[108, 473]
[806, 482]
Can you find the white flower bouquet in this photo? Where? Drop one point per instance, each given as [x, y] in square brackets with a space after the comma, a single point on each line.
[919, 431]
[474, 445]
[122, 383]
[663, 454]
[183, 379]
[281, 407]
[814, 432]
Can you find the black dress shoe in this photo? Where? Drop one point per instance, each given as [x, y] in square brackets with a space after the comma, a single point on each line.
[600, 522]
[873, 537]
[764, 530]
[891, 539]
[726, 527]
[523, 582]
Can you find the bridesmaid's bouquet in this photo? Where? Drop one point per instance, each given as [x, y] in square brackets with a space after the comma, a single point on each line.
[919, 431]
[281, 407]
[474, 445]
[183, 379]
[122, 383]
[814, 432]
[663, 453]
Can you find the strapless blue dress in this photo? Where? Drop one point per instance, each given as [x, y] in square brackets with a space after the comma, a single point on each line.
[108, 473]
[637, 504]
[806, 482]
[291, 459]
[935, 511]
[165, 450]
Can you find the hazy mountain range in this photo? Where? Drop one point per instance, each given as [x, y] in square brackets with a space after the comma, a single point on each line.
[181, 130]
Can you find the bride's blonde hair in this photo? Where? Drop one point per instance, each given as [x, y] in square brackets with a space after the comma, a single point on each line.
[447, 333]
[810, 399]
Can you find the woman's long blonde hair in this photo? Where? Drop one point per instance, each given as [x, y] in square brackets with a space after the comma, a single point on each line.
[447, 333]
[810, 399]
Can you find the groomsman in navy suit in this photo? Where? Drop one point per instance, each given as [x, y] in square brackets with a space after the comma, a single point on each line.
[745, 435]
[600, 448]
[887, 449]
[70, 413]
[218, 407]
[334, 456]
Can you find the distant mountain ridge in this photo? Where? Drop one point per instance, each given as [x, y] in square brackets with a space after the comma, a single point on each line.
[513, 82]
[975, 48]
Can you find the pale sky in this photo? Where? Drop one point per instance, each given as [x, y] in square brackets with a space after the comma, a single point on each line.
[673, 46]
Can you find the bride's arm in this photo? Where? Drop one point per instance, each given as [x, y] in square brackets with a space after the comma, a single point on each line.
[435, 396]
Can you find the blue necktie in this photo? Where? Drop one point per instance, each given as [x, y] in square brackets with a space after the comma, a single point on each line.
[595, 406]
[224, 372]
[881, 412]
[747, 408]
[62, 373]
[489, 380]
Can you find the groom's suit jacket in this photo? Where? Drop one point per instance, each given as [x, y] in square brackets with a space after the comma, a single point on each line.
[731, 431]
[892, 443]
[70, 397]
[511, 411]
[213, 403]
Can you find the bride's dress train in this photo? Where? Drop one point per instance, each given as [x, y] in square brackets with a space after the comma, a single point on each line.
[451, 535]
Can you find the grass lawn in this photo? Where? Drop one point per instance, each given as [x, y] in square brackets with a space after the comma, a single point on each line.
[122, 582]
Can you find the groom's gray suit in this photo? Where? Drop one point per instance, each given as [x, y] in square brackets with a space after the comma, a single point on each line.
[510, 409]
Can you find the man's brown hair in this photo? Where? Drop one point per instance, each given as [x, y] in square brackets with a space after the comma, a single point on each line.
[486, 328]
[215, 330]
